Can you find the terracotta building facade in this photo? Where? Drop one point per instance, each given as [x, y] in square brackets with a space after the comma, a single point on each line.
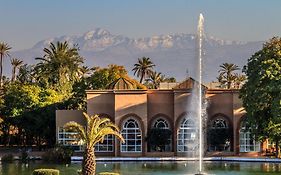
[137, 112]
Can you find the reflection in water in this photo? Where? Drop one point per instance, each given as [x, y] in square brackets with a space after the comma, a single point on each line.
[151, 168]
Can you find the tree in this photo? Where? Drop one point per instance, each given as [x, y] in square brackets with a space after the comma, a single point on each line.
[4, 52]
[95, 132]
[155, 79]
[143, 68]
[59, 67]
[25, 74]
[261, 94]
[15, 64]
[239, 80]
[102, 77]
[227, 76]
[31, 109]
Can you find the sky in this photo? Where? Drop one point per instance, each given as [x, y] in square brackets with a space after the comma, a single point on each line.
[24, 23]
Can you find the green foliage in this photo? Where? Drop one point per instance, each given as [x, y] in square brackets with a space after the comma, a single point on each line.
[25, 75]
[143, 68]
[32, 109]
[96, 130]
[60, 67]
[19, 98]
[59, 154]
[227, 75]
[102, 77]
[16, 63]
[155, 78]
[7, 158]
[261, 94]
[46, 172]
[4, 52]
[158, 137]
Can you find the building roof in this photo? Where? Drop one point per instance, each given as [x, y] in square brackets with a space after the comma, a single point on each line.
[121, 83]
[188, 83]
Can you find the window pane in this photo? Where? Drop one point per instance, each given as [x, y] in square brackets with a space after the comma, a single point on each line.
[133, 138]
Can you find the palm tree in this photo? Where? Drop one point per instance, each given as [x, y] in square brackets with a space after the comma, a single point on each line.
[16, 63]
[227, 75]
[95, 132]
[25, 74]
[143, 68]
[4, 52]
[240, 79]
[155, 79]
[85, 71]
[59, 66]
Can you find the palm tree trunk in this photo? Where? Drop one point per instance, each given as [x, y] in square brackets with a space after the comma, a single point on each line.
[89, 162]
[14, 74]
[142, 76]
[228, 84]
[1, 69]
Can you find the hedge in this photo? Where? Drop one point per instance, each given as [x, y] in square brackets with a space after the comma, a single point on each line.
[46, 172]
[108, 173]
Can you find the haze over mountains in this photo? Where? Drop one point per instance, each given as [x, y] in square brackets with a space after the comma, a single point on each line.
[173, 54]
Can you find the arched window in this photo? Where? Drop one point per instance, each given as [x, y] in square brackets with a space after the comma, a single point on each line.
[219, 123]
[161, 124]
[219, 135]
[159, 137]
[246, 139]
[132, 135]
[186, 138]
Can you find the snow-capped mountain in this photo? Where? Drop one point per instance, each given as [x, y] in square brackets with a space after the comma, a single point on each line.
[173, 54]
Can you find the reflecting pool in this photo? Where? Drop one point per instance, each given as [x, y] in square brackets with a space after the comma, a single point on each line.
[155, 168]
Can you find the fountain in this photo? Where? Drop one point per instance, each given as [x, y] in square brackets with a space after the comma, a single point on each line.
[197, 91]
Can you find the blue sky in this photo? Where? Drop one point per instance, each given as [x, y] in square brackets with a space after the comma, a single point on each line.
[23, 23]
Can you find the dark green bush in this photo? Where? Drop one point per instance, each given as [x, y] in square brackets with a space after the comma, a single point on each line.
[46, 172]
[7, 158]
[59, 154]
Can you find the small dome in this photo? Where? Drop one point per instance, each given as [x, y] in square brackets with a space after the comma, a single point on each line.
[121, 83]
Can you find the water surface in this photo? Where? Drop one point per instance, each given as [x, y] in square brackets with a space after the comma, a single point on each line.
[154, 168]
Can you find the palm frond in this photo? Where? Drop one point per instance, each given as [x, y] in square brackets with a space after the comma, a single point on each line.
[77, 128]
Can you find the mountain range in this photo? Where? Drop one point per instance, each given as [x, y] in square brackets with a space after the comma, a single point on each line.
[173, 54]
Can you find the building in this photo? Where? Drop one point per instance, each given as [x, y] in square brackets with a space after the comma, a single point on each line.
[137, 112]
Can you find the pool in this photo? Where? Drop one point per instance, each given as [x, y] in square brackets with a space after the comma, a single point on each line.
[154, 168]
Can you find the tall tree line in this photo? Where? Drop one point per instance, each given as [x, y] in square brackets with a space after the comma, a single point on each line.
[29, 99]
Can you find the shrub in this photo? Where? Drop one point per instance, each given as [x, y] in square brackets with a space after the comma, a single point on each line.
[59, 154]
[7, 158]
[79, 172]
[46, 172]
[108, 173]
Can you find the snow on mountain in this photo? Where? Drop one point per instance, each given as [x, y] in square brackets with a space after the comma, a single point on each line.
[173, 53]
